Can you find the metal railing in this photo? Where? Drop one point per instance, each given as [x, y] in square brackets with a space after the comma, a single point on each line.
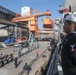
[52, 70]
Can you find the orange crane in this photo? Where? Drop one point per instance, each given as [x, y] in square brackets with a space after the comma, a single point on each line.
[32, 19]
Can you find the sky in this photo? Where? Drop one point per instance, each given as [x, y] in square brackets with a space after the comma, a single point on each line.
[40, 5]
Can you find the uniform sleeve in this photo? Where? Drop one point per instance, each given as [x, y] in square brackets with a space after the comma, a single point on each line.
[72, 50]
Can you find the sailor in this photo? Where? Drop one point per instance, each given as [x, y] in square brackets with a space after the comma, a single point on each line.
[68, 54]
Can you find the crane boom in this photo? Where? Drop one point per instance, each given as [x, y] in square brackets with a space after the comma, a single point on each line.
[28, 18]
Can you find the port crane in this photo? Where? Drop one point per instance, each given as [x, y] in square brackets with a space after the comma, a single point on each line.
[32, 20]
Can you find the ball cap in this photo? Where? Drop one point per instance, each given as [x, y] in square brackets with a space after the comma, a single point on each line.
[70, 18]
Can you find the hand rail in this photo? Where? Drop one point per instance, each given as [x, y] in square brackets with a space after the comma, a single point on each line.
[53, 64]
